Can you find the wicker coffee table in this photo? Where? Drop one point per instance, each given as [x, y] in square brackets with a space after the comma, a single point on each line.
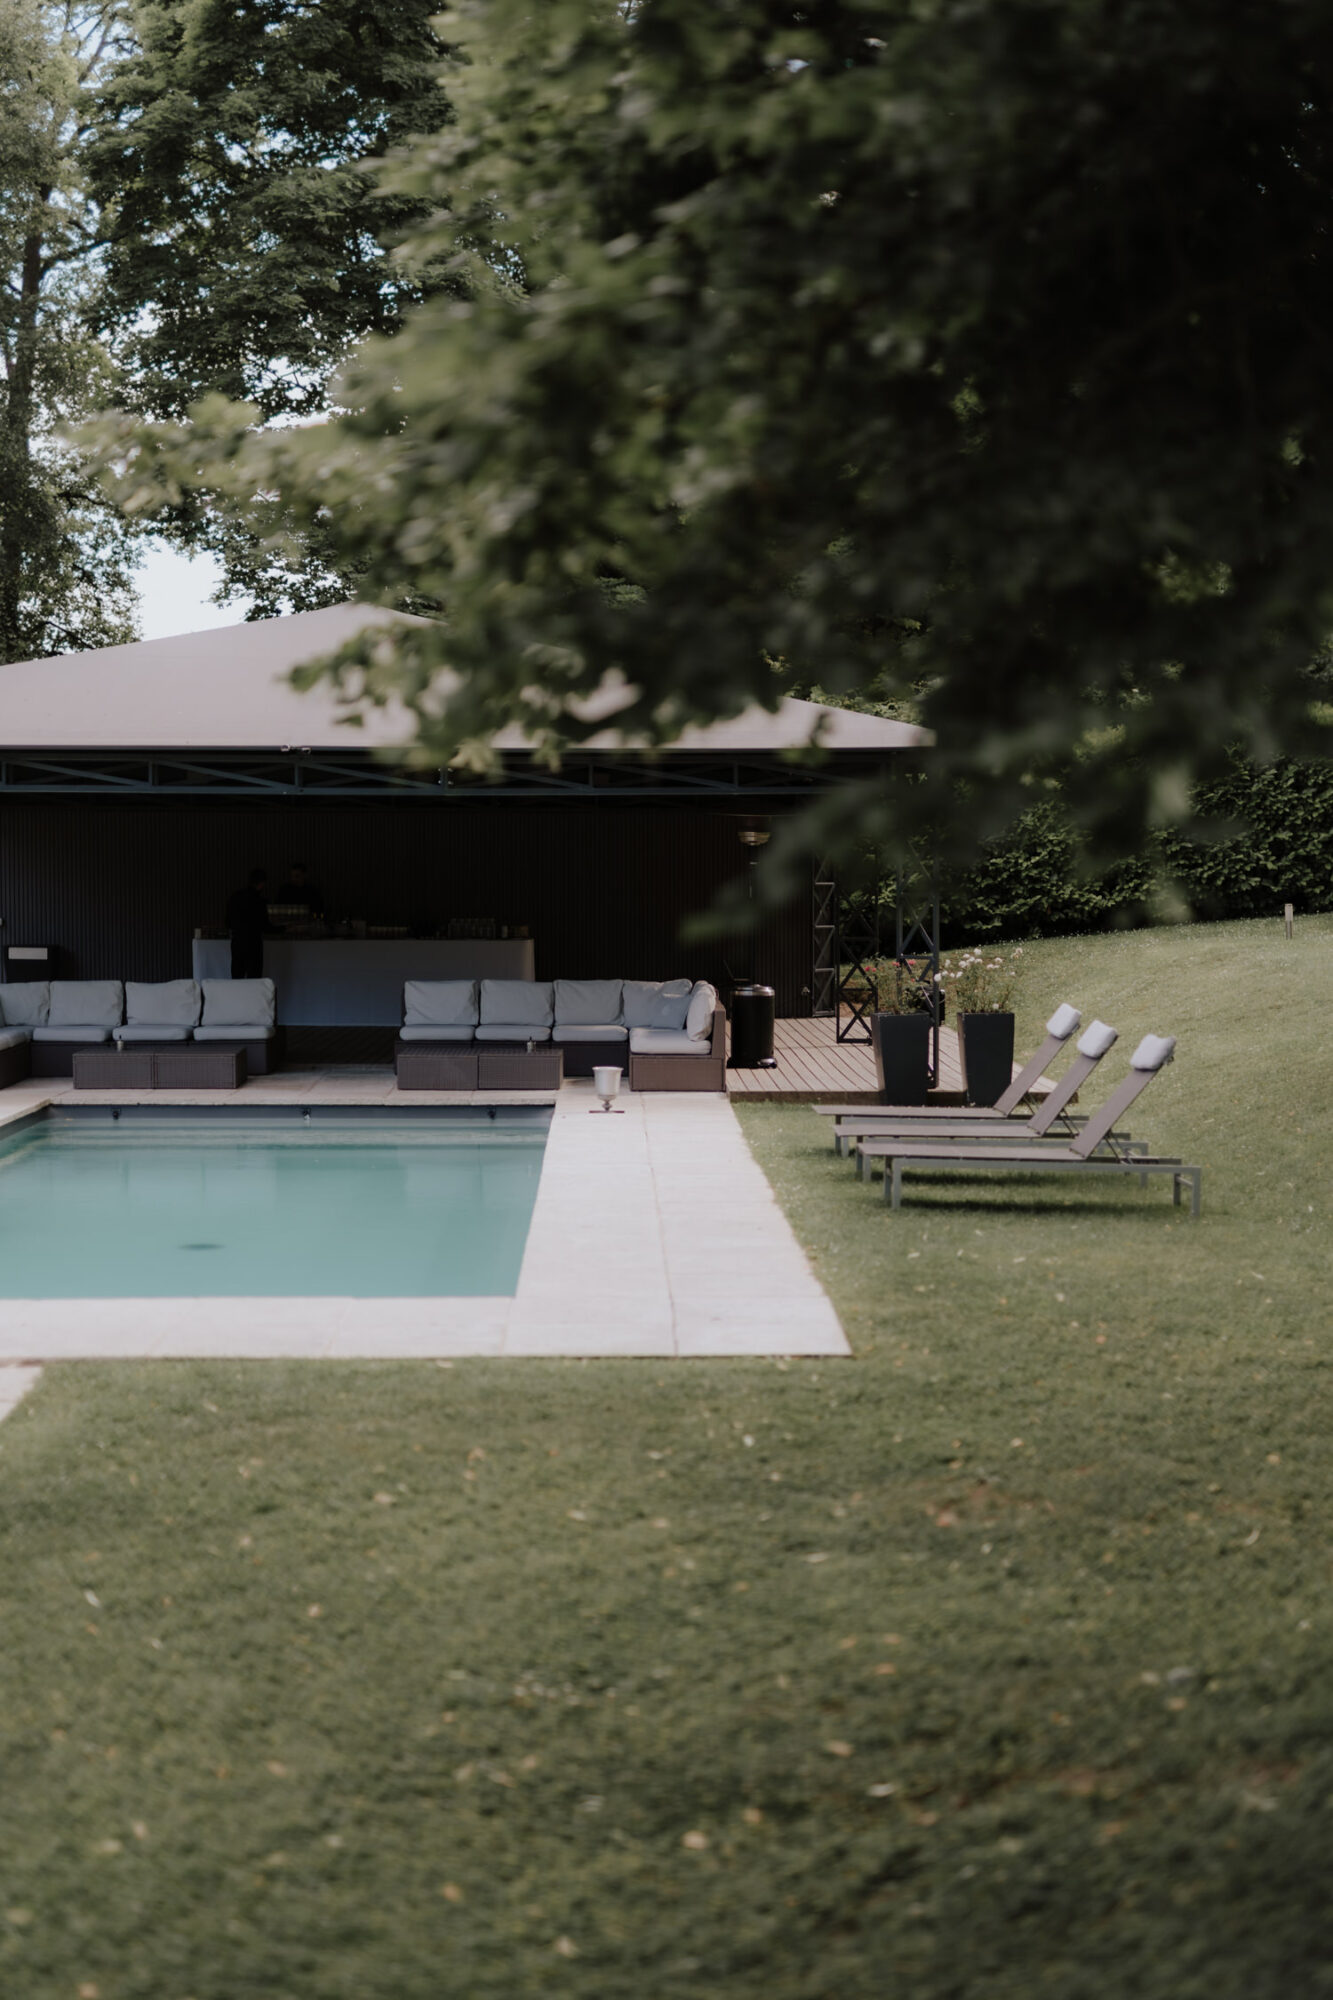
[110, 1068]
[200, 1066]
[478, 1066]
[514, 1066]
[161, 1066]
[435, 1065]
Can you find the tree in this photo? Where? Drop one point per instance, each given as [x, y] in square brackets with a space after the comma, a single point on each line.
[974, 355]
[66, 562]
[246, 240]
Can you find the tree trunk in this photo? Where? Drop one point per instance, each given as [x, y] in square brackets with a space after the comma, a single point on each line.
[18, 499]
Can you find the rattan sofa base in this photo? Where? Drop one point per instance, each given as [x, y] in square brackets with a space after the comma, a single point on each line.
[15, 1064]
[685, 1072]
[262, 1056]
[513, 1066]
[57, 1058]
[582, 1058]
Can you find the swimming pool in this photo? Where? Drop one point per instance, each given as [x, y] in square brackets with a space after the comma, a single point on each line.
[141, 1203]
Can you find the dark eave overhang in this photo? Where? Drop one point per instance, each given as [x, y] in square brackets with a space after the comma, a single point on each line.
[352, 774]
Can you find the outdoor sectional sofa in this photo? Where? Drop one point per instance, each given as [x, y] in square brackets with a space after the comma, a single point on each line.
[669, 1034]
[44, 1023]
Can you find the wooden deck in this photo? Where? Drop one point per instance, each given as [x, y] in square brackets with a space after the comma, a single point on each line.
[813, 1063]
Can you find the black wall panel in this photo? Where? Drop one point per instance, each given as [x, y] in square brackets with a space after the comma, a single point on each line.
[119, 887]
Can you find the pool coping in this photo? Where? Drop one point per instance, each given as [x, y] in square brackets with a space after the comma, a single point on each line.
[655, 1234]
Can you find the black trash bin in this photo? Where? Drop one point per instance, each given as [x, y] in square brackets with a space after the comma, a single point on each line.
[752, 1009]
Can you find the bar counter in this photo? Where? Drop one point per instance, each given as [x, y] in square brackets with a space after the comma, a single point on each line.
[358, 982]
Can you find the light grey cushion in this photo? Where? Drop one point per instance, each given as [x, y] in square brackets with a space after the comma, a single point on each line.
[139, 1031]
[237, 1031]
[415, 1031]
[86, 1003]
[1153, 1051]
[238, 1003]
[1097, 1039]
[525, 1003]
[13, 1038]
[172, 1003]
[25, 1003]
[583, 1003]
[665, 1042]
[1063, 1022]
[72, 1034]
[440, 1003]
[656, 1003]
[497, 1032]
[699, 1014]
[610, 1031]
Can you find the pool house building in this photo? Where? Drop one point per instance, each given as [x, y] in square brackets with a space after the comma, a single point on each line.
[141, 784]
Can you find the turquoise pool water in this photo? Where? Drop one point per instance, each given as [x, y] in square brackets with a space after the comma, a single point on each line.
[227, 1205]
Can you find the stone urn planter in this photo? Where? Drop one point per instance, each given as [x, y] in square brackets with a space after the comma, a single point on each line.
[902, 1056]
[986, 1048]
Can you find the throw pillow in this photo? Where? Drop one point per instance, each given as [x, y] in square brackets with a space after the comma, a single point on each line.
[516, 1003]
[238, 1003]
[587, 1003]
[699, 1015]
[656, 1003]
[25, 1003]
[440, 1003]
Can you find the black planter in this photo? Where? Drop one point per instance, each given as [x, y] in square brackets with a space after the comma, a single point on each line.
[986, 1045]
[902, 1056]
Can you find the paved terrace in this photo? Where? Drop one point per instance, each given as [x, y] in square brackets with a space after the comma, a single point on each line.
[655, 1234]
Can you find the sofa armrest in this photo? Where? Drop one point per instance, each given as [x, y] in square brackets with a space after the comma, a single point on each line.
[718, 1044]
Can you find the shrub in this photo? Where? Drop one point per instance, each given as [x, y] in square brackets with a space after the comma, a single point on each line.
[1266, 838]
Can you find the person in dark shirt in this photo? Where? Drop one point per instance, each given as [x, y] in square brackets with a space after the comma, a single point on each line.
[247, 920]
[299, 891]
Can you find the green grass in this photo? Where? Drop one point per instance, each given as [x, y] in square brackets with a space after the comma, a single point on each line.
[992, 1663]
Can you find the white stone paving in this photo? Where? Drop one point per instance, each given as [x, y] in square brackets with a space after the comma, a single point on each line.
[655, 1234]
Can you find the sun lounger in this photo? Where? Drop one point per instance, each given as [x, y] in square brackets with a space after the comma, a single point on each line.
[1152, 1054]
[1063, 1023]
[1092, 1045]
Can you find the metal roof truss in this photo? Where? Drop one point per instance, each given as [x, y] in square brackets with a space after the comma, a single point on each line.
[318, 774]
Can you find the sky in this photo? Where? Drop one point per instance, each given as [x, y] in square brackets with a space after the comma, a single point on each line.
[174, 591]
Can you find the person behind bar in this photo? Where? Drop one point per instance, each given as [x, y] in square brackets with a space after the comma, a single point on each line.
[300, 892]
[247, 918]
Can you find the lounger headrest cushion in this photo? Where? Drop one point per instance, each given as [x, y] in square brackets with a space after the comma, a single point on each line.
[1063, 1023]
[1153, 1051]
[1097, 1039]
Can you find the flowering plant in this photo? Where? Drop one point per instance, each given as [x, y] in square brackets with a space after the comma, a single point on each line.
[900, 987]
[980, 983]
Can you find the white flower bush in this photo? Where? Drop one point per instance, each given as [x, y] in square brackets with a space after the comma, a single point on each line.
[976, 982]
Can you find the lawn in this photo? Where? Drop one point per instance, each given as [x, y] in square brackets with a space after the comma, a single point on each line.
[994, 1662]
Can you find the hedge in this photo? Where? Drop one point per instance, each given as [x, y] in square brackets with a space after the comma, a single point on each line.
[1274, 846]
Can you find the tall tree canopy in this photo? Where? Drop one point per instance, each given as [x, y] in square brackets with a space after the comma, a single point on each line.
[66, 564]
[976, 353]
[246, 242]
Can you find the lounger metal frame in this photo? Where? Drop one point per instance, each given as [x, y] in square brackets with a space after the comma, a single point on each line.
[904, 1155]
[959, 1126]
